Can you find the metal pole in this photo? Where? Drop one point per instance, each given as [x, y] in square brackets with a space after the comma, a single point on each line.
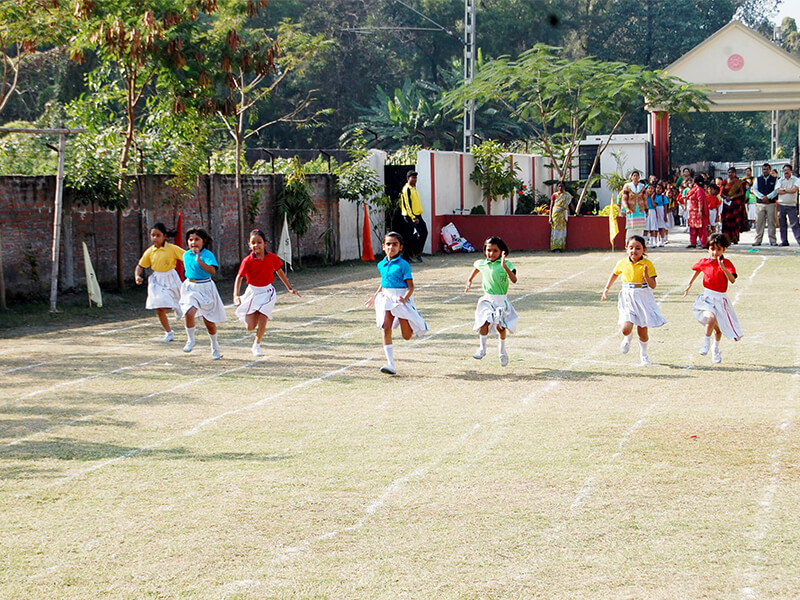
[469, 70]
[62, 145]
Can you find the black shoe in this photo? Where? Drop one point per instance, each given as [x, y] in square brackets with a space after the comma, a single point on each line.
[756, 243]
[691, 246]
[773, 243]
[418, 259]
[784, 243]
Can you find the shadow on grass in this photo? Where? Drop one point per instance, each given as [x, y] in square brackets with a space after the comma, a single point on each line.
[554, 375]
[69, 450]
[783, 370]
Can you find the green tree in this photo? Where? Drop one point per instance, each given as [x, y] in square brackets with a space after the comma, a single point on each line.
[252, 66]
[296, 203]
[564, 100]
[493, 172]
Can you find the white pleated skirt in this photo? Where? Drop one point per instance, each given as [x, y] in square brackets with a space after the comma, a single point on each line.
[638, 306]
[496, 310]
[389, 299]
[722, 308]
[203, 296]
[652, 219]
[164, 291]
[257, 299]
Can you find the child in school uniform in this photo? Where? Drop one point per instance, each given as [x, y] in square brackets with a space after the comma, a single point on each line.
[199, 294]
[493, 309]
[393, 301]
[712, 308]
[163, 284]
[636, 304]
[254, 308]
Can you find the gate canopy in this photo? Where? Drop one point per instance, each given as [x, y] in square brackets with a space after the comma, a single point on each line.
[740, 70]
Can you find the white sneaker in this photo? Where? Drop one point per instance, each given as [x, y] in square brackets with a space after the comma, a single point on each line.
[189, 346]
[704, 347]
[716, 356]
[257, 349]
[625, 345]
[645, 361]
[215, 354]
[168, 337]
[480, 353]
[389, 370]
[504, 358]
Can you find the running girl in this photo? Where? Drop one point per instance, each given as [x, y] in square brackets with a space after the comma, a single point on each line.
[636, 303]
[199, 295]
[259, 268]
[393, 301]
[494, 310]
[163, 285]
[712, 308]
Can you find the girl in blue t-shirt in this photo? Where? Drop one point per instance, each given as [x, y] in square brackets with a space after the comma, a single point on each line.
[199, 295]
[393, 301]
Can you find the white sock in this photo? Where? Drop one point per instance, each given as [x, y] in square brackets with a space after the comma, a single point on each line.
[214, 342]
[502, 345]
[642, 348]
[388, 349]
[715, 343]
[190, 334]
[483, 342]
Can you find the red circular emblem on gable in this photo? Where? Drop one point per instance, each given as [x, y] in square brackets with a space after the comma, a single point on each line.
[735, 62]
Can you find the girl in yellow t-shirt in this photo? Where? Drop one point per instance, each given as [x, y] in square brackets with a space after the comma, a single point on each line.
[636, 303]
[163, 285]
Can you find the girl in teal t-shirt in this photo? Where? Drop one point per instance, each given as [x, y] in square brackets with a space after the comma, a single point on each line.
[494, 310]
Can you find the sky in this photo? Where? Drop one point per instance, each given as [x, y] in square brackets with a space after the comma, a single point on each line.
[788, 8]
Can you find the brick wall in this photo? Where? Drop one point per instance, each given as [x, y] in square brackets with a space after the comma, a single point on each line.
[26, 225]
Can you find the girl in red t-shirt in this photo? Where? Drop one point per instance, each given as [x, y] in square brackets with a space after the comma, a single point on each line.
[713, 308]
[254, 307]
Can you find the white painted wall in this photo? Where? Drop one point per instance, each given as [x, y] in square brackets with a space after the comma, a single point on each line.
[634, 149]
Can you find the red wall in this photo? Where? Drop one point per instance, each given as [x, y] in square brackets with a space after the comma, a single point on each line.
[529, 232]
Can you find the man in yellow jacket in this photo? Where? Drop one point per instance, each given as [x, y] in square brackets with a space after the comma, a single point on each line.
[416, 232]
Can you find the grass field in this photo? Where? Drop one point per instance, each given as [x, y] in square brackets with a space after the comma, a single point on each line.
[131, 470]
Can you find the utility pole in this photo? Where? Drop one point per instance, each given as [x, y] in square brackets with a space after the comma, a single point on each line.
[470, 52]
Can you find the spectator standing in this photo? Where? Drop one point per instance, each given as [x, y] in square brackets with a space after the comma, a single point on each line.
[416, 232]
[787, 205]
[734, 215]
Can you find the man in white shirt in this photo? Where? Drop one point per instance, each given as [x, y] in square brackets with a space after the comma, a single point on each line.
[788, 186]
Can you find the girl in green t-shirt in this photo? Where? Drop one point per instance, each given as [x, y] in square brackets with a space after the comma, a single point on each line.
[494, 310]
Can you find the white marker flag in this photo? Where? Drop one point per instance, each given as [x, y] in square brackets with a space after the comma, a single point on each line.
[95, 295]
[285, 245]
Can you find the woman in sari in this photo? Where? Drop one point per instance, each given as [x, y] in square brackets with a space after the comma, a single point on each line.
[734, 213]
[559, 213]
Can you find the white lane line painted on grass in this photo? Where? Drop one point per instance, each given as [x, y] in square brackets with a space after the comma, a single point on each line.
[113, 331]
[77, 381]
[33, 366]
[288, 552]
[765, 517]
[749, 279]
[397, 485]
[588, 485]
[202, 425]
[43, 432]
[260, 403]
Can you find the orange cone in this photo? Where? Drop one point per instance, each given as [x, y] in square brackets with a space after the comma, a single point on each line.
[366, 252]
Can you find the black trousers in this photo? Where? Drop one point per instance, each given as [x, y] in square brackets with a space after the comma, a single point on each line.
[415, 236]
